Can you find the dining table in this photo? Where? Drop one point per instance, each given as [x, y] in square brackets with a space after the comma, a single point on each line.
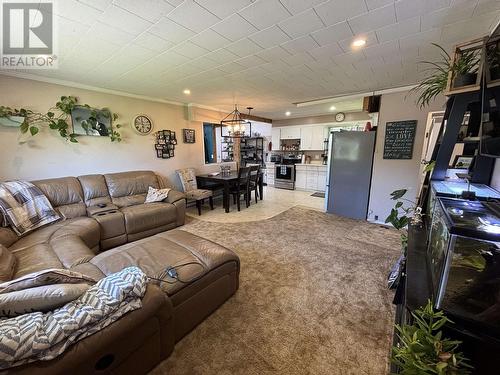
[226, 180]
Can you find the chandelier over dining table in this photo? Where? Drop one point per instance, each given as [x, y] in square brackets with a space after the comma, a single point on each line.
[237, 126]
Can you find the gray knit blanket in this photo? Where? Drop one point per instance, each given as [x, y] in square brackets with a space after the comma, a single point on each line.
[43, 336]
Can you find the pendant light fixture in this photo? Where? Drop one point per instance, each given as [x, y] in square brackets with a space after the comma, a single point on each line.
[237, 127]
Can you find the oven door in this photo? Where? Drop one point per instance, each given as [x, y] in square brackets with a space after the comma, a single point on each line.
[284, 172]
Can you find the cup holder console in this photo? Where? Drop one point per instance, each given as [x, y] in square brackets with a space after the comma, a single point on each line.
[106, 213]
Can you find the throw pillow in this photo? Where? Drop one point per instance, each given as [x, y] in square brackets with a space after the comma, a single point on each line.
[7, 264]
[45, 277]
[41, 298]
[156, 195]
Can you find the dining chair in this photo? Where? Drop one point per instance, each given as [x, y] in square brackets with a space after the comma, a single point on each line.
[241, 187]
[190, 187]
[253, 184]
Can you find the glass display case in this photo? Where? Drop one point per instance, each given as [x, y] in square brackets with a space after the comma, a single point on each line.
[454, 189]
[464, 259]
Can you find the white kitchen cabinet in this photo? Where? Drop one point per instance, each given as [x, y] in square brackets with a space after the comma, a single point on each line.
[270, 174]
[318, 138]
[275, 138]
[290, 132]
[300, 177]
[306, 138]
[322, 180]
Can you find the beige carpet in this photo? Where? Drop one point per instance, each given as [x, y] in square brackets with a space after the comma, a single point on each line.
[312, 299]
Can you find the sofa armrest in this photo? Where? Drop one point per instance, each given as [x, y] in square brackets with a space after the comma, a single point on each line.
[174, 196]
[137, 341]
[7, 237]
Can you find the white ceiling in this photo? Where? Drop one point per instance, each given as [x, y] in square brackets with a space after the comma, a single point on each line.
[266, 54]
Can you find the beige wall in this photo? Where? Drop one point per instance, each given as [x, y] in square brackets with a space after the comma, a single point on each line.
[389, 175]
[48, 155]
[323, 119]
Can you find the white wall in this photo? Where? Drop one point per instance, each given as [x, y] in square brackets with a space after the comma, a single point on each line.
[47, 155]
[390, 175]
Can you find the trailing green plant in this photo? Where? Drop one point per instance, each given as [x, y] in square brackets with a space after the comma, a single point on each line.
[401, 215]
[422, 349]
[58, 118]
[437, 73]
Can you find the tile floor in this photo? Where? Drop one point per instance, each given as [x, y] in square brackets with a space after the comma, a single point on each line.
[275, 202]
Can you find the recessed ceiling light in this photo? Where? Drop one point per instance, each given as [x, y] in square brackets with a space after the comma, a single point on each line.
[333, 108]
[187, 91]
[288, 113]
[359, 42]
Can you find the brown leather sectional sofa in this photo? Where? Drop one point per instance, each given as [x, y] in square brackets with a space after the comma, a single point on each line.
[97, 241]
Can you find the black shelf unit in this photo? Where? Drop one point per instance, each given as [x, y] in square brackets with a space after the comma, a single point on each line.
[251, 150]
[227, 153]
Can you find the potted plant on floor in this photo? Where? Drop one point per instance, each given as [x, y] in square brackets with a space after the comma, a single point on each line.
[464, 71]
[423, 350]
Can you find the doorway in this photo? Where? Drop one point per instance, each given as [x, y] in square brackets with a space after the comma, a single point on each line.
[210, 142]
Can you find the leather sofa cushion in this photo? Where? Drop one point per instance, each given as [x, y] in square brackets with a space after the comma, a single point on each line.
[95, 190]
[7, 236]
[172, 248]
[65, 194]
[35, 258]
[7, 264]
[130, 188]
[143, 217]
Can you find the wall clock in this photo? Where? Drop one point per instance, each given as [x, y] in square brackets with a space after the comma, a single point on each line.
[339, 117]
[143, 124]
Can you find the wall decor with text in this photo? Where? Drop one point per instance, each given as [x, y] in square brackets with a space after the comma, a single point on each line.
[165, 144]
[399, 139]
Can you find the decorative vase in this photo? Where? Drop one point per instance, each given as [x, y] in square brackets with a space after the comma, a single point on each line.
[12, 121]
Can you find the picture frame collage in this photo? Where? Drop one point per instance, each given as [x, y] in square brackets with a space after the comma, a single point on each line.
[165, 144]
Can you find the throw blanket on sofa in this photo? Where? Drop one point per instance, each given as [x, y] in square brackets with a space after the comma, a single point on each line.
[25, 207]
[44, 336]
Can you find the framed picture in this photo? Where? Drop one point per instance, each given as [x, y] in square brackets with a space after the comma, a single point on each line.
[159, 153]
[188, 135]
[171, 153]
[463, 162]
[91, 121]
[165, 154]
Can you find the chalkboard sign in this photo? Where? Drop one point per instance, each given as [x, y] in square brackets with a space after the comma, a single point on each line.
[399, 139]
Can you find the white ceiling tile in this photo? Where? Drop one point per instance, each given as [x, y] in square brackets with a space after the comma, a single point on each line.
[168, 60]
[486, 6]
[232, 67]
[264, 13]
[210, 40]
[152, 42]
[301, 44]
[399, 30]
[204, 63]
[301, 24]
[222, 9]
[273, 53]
[251, 61]
[234, 28]
[373, 20]
[76, 11]
[333, 33]
[171, 31]
[374, 4]
[175, 3]
[333, 11]
[244, 47]
[382, 49]
[297, 6]
[124, 20]
[370, 38]
[476, 27]
[326, 51]
[423, 38]
[97, 4]
[101, 30]
[411, 8]
[150, 10]
[190, 50]
[192, 16]
[270, 37]
[298, 59]
[445, 16]
[223, 56]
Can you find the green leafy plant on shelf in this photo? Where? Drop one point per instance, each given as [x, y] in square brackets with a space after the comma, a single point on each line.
[422, 349]
[401, 215]
[438, 71]
[58, 118]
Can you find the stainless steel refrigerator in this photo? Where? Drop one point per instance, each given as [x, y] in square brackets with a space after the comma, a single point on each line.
[349, 173]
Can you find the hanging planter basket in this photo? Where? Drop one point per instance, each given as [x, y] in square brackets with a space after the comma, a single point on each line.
[12, 121]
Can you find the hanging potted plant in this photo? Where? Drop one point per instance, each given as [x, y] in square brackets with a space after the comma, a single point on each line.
[463, 70]
[12, 117]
